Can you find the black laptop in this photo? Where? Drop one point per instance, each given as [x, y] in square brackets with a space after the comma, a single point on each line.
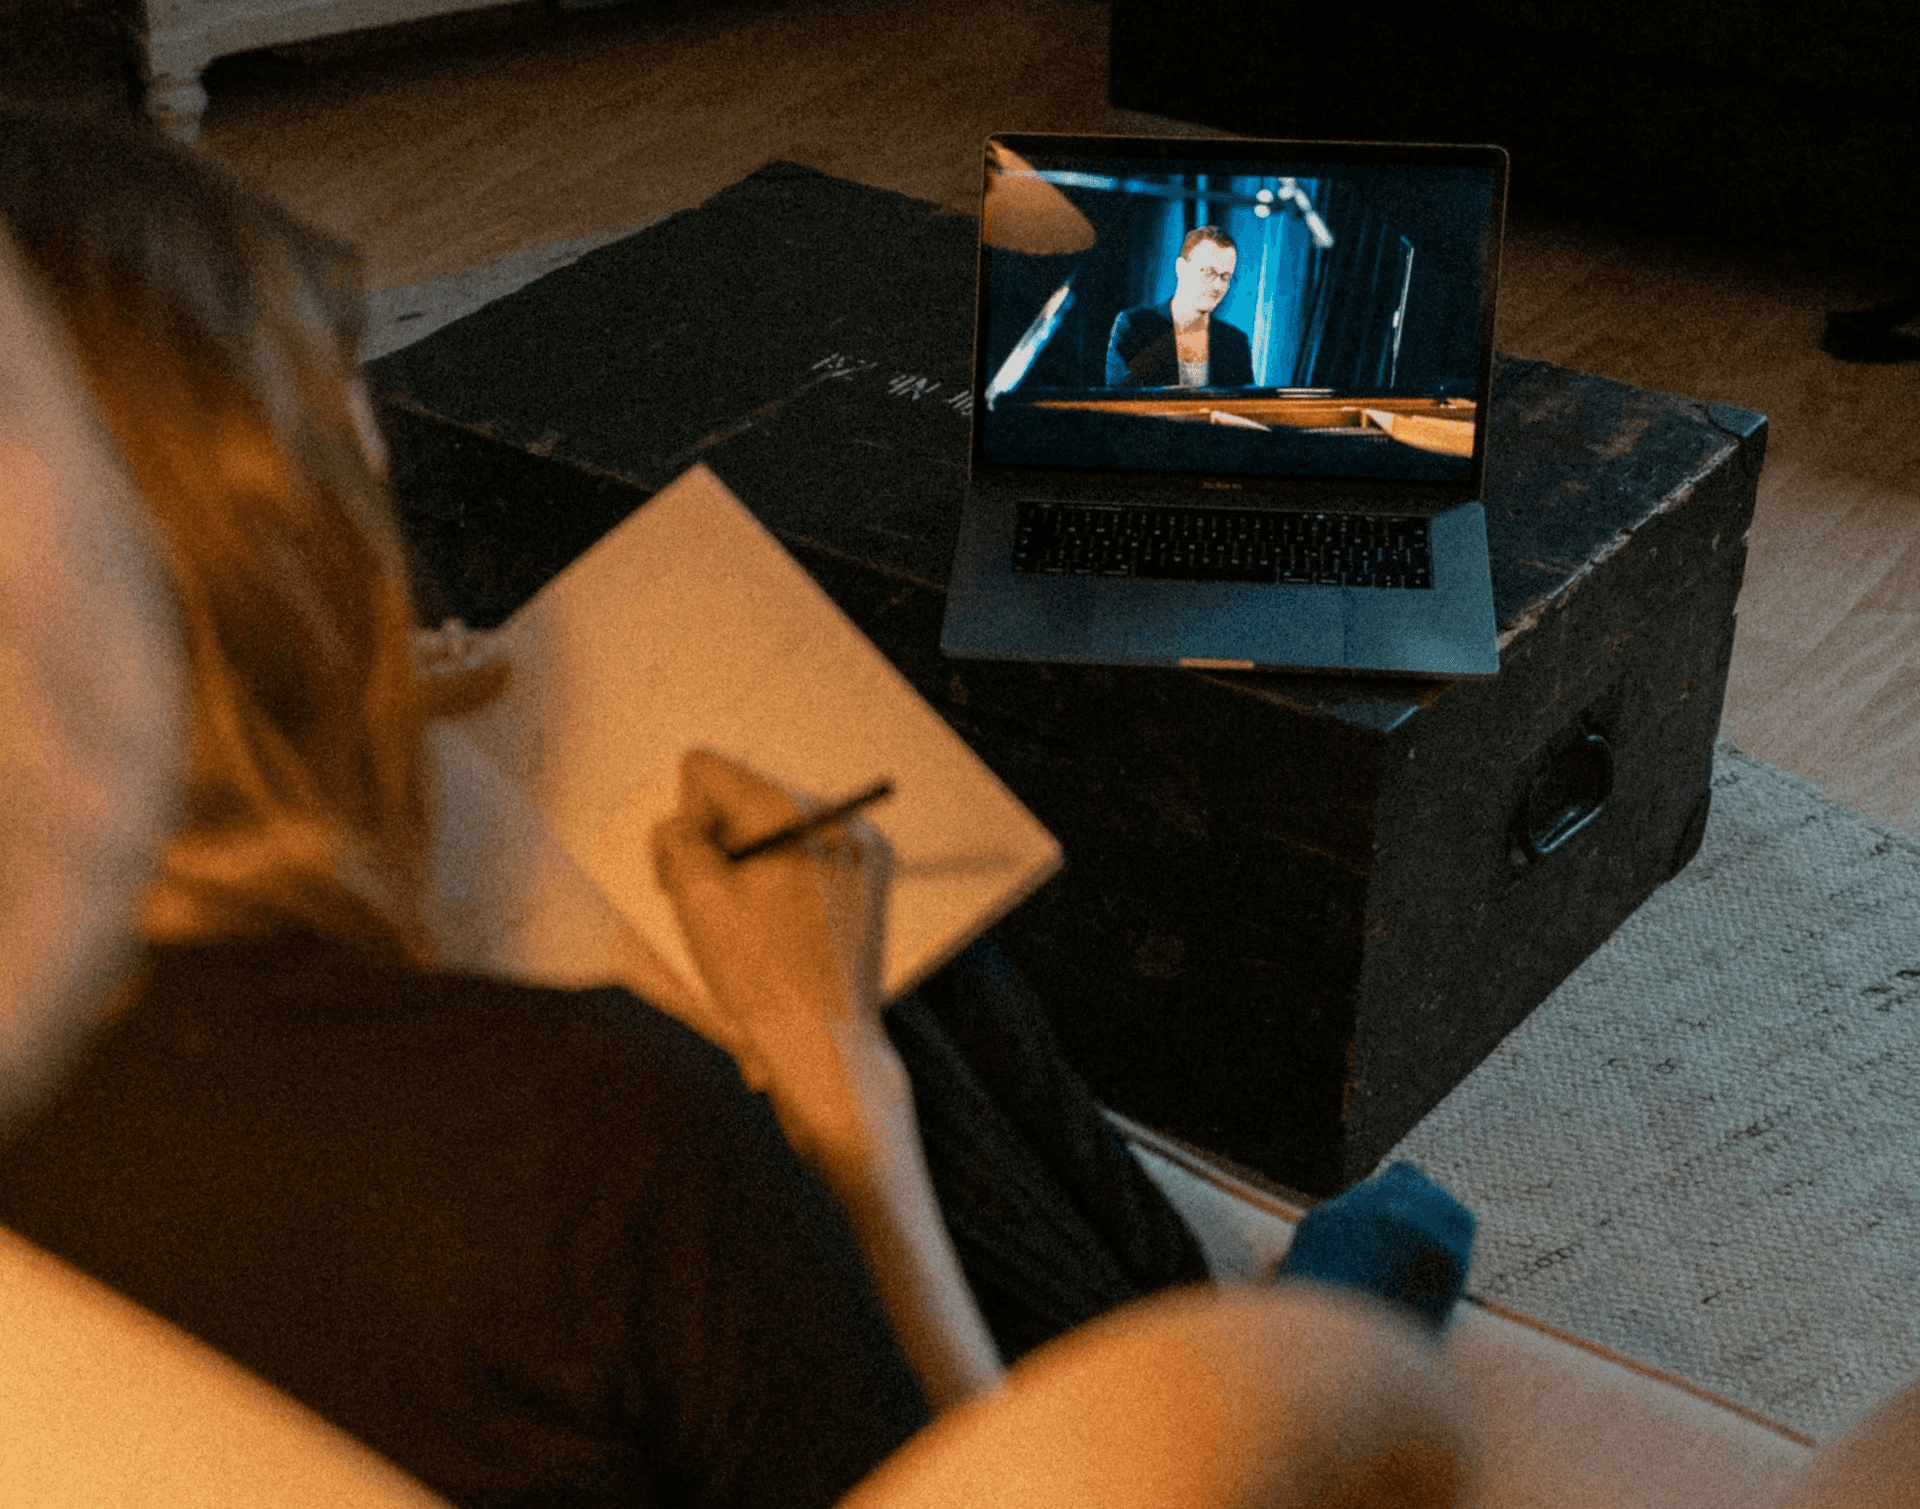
[1230, 406]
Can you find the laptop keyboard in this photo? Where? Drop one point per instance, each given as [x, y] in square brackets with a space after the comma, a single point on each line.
[1221, 545]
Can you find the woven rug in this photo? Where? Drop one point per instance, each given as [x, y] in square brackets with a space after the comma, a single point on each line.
[1704, 1149]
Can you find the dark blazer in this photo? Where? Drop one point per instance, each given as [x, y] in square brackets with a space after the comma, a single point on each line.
[1141, 354]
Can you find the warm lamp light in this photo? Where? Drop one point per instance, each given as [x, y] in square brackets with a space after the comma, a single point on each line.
[1025, 213]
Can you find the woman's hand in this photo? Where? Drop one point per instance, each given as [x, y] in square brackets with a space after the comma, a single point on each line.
[790, 945]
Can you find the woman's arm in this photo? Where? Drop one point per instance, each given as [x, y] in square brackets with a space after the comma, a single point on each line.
[888, 1197]
[790, 947]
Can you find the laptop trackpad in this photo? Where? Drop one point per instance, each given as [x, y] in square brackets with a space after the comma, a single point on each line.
[1160, 622]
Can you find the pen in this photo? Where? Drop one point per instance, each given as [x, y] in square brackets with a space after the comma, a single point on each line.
[807, 826]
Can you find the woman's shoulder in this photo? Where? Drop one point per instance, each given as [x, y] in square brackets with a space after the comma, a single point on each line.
[343, 1013]
[303, 978]
[377, 1087]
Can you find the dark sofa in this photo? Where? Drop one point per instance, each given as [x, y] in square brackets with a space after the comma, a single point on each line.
[1759, 121]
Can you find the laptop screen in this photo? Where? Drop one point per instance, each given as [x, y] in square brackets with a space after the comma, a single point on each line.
[1303, 312]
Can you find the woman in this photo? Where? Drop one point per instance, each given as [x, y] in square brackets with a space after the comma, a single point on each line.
[536, 1246]
[533, 1245]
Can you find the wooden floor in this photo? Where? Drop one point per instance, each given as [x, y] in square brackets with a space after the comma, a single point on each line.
[454, 142]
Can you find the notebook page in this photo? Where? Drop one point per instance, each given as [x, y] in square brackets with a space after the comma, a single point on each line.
[689, 625]
[507, 899]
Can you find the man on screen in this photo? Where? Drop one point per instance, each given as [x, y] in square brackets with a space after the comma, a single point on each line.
[1180, 343]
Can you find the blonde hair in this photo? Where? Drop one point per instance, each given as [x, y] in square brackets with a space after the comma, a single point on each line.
[218, 335]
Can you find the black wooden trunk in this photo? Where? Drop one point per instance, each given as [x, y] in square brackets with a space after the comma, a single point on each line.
[1296, 910]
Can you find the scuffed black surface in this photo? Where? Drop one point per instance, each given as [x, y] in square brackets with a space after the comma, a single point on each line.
[1290, 920]
[759, 333]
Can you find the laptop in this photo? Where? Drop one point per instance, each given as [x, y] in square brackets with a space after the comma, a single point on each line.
[1230, 406]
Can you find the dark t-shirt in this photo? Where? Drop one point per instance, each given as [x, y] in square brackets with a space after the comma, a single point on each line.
[536, 1247]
